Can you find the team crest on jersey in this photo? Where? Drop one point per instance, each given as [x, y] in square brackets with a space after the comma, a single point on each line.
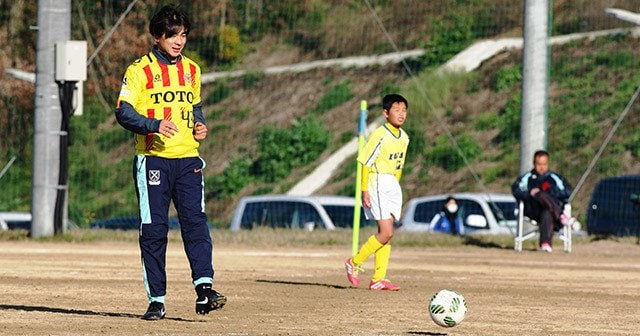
[187, 78]
[157, 78]
[154, 177]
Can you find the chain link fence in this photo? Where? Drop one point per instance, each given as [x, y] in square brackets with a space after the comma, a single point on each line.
[267, 95]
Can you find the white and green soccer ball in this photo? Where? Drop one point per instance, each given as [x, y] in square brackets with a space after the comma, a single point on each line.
[447, 308]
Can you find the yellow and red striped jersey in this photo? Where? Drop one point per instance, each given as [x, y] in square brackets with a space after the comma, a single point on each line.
[164, 91]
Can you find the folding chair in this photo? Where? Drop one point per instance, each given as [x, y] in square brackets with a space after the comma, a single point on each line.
[565, 232]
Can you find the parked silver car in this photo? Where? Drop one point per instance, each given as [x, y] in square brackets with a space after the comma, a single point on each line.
[20, 220]
[15, 220]
[482, 213]
[304, 212]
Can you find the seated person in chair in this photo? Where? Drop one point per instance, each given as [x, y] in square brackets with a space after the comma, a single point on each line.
[544, 194]
[447, 220]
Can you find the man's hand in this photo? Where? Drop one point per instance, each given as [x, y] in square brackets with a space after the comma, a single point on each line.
[167, 128]
[534, 191]
[366, 199]
[199, 131]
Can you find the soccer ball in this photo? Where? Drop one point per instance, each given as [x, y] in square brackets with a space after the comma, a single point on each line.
[447, 308]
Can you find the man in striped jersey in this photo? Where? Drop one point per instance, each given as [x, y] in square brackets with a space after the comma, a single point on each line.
[160, 102]
[382, 159]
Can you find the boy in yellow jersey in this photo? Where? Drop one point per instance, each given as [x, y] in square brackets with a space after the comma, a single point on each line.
[382, 159]
[160, 102]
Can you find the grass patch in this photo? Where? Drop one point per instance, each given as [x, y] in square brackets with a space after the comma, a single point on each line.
[275, 238]
[336, 96]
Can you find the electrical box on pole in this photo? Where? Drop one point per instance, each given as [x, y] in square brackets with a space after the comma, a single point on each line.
[71, 61]
[71, 65]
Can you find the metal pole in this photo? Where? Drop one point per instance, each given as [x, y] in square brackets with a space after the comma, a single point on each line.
[54, 24]
[535, 79]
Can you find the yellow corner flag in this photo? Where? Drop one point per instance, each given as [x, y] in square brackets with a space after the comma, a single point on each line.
[358, 196]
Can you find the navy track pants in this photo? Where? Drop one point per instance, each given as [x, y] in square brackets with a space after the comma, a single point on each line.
[158, 182]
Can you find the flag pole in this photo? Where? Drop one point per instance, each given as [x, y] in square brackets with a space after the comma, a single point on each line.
[358, 192]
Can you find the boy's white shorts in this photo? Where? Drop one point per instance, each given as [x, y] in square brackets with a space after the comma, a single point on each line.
[386, 197]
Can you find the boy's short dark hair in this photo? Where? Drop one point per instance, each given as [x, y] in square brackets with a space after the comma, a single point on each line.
[168, 21]
[390, 99]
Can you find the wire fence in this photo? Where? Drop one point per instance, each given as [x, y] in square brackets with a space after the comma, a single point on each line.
[283, 81]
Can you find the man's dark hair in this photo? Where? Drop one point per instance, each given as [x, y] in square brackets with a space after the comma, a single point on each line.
[539, 153]
[391, 99]
[168, 21]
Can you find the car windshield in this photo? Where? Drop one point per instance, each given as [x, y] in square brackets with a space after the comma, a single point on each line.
[425, 211]
[280, 214]
[505, 213]
[342, 215]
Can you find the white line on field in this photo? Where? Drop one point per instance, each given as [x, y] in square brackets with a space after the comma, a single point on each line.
[286, 254]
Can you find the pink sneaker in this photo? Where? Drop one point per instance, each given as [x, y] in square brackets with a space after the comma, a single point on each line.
[545, 247]
[353, 272]
[383, 285]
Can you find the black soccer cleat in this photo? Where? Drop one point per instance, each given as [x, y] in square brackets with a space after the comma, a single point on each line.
[208, 299]
[154, 312]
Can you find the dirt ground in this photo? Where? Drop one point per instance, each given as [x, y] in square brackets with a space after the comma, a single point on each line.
[96, 288]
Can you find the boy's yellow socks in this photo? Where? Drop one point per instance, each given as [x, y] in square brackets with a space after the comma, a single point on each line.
[381, 263]
[368, 248]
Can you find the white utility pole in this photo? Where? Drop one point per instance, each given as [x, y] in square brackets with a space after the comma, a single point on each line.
[54, 24]
[535, 81]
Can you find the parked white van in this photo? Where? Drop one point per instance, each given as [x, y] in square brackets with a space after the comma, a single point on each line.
[482, 213]
[302, 212]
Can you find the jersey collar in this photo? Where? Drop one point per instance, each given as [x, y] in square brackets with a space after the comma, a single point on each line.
[396, 132]
[163, 57]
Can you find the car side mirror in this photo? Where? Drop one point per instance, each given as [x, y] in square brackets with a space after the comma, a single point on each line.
[476, 221]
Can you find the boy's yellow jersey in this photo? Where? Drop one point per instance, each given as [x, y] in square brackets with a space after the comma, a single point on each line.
[164, 91]
[385, 150]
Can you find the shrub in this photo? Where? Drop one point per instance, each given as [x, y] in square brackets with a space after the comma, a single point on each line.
[632, 143]
[113, 138]
[310, 35]
[507, 77]
[347, 136]
[445, 154]
[336, 96]
[509, 121]
[581, 134]
[490, 174]
[235, 177]
[450, 35]
[16, 195]
[230, 44]
[242, 113]
[250, 79]
[219, 93]
[616, 59]
[486, 121]
[281, 150]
